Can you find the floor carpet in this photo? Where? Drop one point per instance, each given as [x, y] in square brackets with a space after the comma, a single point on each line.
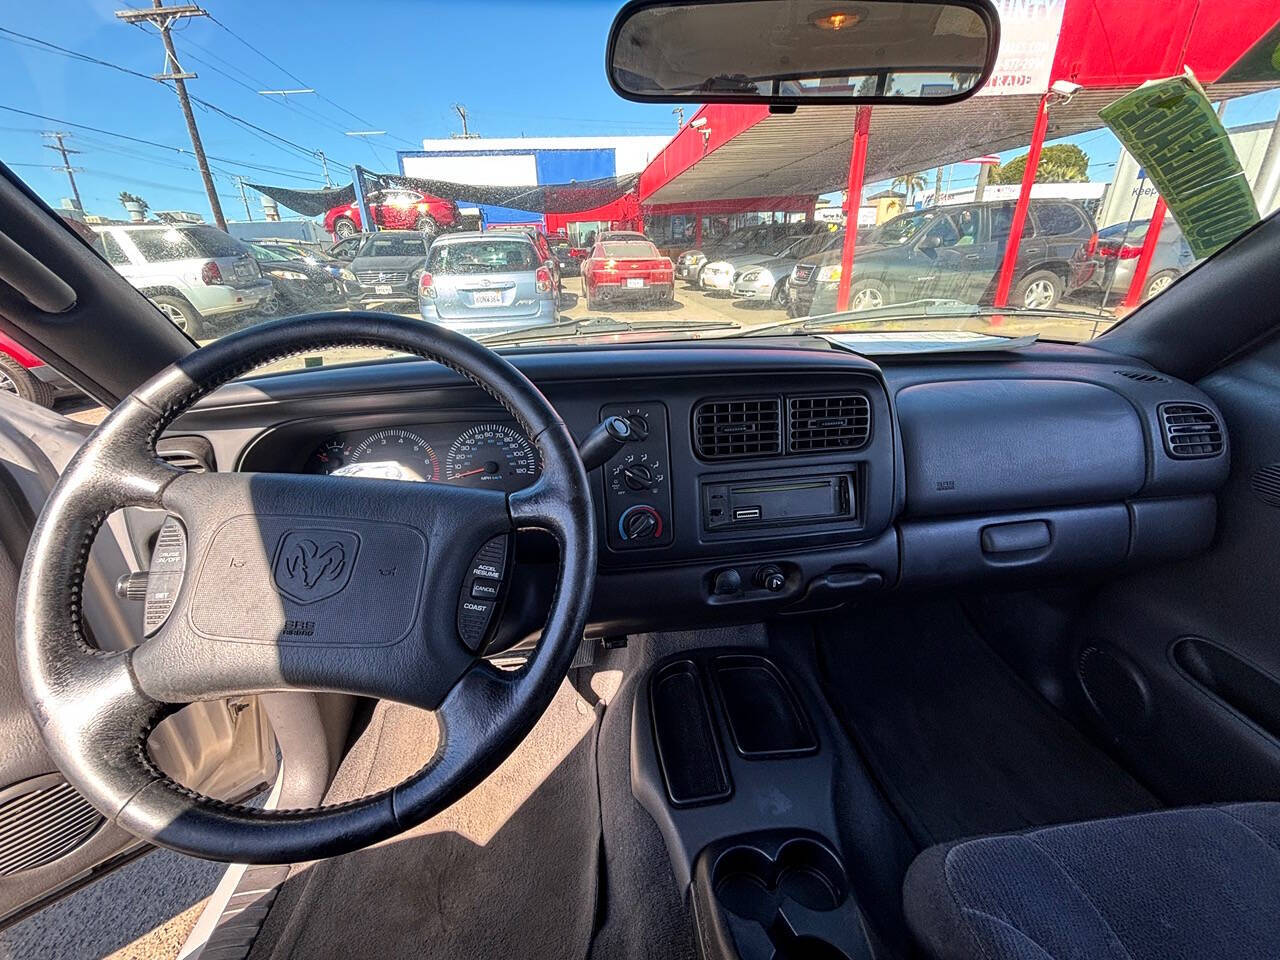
[959, 744]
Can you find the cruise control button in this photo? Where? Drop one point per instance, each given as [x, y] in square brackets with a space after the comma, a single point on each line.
[490, 560]
[485, 589]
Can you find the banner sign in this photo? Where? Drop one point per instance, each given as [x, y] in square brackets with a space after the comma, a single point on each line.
[1028, 43]
[1172, 130]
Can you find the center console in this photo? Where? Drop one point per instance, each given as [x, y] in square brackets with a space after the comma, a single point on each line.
[738, 774]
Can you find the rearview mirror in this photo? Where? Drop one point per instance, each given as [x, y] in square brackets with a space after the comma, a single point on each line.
[802, 51]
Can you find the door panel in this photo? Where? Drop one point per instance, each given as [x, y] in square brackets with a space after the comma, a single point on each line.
[1181, 665]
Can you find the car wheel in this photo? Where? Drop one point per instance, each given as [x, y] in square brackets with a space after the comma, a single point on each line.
[343, 228]
[17, 379]
[427, 225]
[1038, 290]
[271, 307]
[182, 314]
[779, 296]
[1160, 282]
[868, 295]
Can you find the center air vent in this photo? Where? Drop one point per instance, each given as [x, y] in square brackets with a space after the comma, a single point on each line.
[1191, 431]
[728, 429]
[828, 423]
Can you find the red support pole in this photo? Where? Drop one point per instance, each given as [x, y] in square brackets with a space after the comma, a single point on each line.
[1143, 266]
[1020, 209]
[852, 203]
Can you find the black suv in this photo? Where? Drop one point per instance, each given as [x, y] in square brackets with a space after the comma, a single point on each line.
[952, 253]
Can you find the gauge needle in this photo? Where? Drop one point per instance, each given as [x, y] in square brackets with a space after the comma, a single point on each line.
[470, 473]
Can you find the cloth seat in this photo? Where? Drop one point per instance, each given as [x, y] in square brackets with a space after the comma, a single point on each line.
[1200, 883]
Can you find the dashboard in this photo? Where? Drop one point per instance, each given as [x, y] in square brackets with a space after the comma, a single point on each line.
[777, 476]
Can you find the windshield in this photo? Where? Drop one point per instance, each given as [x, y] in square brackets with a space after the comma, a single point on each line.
[1024, 210]
[627, 250]
[391, 246]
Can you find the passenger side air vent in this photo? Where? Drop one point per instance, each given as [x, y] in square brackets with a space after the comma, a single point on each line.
[1143, 376]
[1191, 431]
[186, 453]
[729, 429]
[828, 423]
[41, 820]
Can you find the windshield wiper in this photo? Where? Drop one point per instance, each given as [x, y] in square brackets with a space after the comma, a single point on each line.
[602, 326]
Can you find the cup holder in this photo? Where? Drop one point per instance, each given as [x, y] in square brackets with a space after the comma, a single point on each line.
[780, 897]
[753, 884]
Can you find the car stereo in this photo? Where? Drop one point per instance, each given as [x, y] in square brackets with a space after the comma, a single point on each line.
[758, 502]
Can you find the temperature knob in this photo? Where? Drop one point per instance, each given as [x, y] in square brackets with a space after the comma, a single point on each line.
[641, 522]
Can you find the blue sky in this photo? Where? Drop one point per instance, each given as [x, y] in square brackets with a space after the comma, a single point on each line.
[396, 65]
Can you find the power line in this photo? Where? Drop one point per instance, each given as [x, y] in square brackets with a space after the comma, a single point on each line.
[298, 80]
[283, 171]
[46, 46]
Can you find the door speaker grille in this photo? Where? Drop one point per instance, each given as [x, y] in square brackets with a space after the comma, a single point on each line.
[41, 820]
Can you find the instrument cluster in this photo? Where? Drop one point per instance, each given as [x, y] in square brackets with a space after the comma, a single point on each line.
[491, 455]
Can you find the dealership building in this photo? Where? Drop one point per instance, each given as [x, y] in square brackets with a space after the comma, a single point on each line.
[528, 162]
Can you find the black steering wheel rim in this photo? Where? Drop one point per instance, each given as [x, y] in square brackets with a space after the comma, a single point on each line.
[95, 708]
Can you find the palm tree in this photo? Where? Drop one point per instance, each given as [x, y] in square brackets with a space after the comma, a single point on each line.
[910, 182]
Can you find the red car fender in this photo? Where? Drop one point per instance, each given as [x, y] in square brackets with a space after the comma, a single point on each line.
[19, 353]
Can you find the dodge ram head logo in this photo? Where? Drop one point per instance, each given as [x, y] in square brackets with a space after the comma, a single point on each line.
[314, 564]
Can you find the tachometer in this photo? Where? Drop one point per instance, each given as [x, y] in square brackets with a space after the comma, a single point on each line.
[491, 454]
[392, 454]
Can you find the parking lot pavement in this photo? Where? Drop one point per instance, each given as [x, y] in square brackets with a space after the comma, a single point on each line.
[143, 911]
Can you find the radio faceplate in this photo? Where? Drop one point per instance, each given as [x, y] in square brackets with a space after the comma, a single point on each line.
[740, 503]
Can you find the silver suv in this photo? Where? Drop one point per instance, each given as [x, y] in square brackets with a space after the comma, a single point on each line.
[191, 272]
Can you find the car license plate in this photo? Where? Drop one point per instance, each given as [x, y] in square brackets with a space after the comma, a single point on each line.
[486, 298]
[384, 289]
[634, 283]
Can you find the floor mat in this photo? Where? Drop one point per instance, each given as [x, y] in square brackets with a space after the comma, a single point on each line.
[961, 747]
[508, 871]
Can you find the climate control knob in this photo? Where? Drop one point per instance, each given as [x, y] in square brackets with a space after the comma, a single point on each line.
[637, 476]
[640, 522]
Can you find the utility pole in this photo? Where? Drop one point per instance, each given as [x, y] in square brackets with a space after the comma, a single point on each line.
[69, 170]
[163, 18]
[462, 115]
[248, 215]
[324, 165]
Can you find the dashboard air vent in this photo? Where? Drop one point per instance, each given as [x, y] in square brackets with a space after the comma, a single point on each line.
[186, 453]
[728, 429]
[829, 423]
[1143, 376]
[1191, 431]
[42, 820]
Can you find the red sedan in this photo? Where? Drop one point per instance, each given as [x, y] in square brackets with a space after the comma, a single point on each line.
[397, 209]
[627, 270]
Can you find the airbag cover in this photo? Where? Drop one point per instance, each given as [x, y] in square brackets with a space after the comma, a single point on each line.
[982, 445]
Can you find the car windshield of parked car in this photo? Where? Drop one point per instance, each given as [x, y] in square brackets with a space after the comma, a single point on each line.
[392, 246]
[482, 256]
[268, 255]
[1026, 209]
[628, 250]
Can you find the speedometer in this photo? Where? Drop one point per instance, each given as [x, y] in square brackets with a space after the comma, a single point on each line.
[392, 454]
[491, 454]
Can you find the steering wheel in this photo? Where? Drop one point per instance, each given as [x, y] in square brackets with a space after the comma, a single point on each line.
[294, 582]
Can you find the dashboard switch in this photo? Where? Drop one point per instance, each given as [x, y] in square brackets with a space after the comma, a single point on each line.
[641, 522]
